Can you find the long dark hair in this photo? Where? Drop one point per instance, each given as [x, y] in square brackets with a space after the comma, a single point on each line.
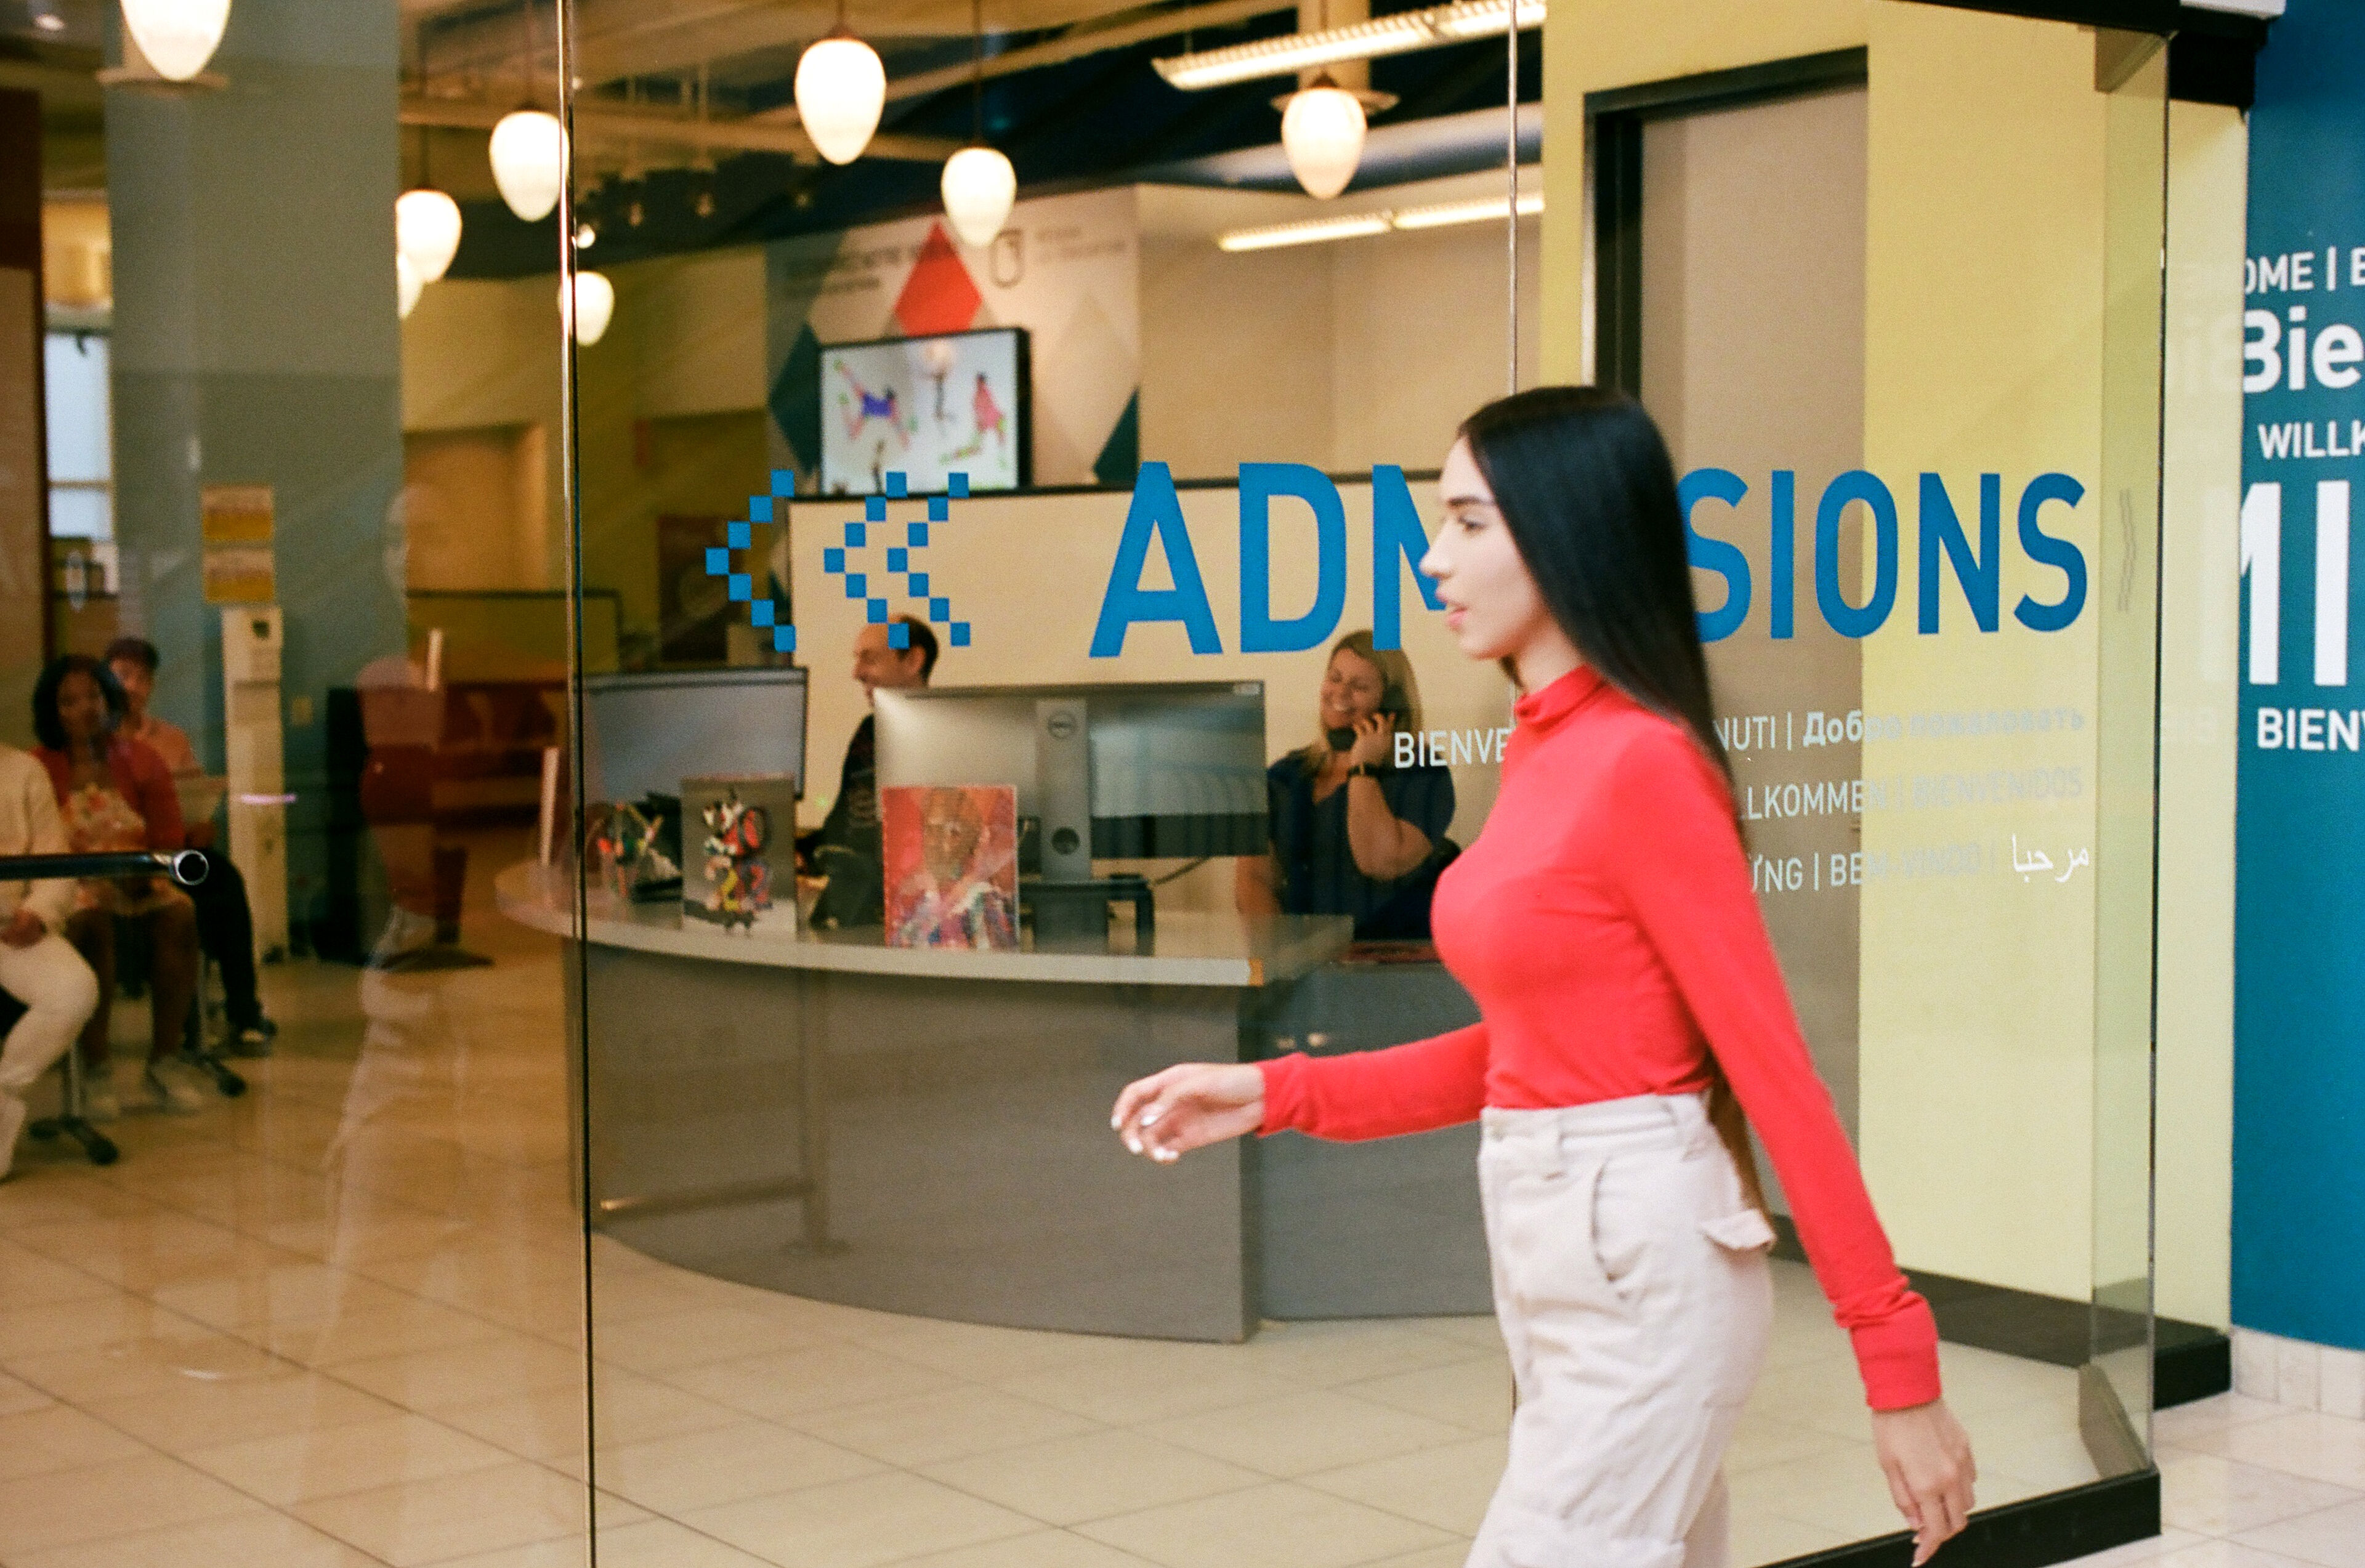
[1588, 492]
[46, 722]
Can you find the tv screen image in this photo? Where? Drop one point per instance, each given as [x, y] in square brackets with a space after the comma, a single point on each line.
[924, 408]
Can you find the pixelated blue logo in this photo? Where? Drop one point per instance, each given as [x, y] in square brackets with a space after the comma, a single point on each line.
[837, 561]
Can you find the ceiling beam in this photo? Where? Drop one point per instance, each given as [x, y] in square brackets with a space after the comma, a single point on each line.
[614, 121]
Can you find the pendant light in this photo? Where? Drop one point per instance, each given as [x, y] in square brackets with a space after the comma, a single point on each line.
[177, 36]
[594, 303]
[1322, 131]
[841, 90]
[529, 151]
[427, 221]
[979, 184]
[408, 286]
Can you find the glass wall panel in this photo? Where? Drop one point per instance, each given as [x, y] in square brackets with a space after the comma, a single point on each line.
[1889, 278]
[1004, 674]
[289, 1267]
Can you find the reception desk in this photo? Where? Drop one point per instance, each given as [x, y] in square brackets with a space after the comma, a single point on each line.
[926, 1131]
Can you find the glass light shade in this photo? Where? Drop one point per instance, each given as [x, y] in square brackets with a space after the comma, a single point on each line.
[177, 36]
[979, 187]
[528, 155]
[427, 231]
[594, 304]
[1322, 131]
[841, 88]
[408, 286]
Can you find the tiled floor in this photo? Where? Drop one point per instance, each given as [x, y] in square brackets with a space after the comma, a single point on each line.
[338, 1322]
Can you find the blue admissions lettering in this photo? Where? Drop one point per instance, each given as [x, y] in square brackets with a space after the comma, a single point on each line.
[1154, 521]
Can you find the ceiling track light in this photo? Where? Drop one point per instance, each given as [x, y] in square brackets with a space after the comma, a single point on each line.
[1362, 225]
[1401, 33]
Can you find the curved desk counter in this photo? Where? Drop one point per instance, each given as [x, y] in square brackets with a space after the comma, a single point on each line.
[922, 1131]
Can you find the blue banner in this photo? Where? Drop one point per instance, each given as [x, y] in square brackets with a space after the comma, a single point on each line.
[2299, 1017]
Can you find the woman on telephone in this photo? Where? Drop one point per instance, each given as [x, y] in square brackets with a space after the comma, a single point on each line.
[1353, 833]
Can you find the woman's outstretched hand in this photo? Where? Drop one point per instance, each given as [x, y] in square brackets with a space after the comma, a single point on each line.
[1926, 1455]
[1169, 1114]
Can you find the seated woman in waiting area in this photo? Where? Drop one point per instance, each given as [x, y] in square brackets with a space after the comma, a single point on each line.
[116, 794]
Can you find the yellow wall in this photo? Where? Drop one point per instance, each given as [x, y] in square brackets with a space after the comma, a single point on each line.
[1591, 45]
[1985, 352]
[2208, 179]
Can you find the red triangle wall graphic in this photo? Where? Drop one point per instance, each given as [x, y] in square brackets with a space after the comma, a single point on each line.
[939, 296]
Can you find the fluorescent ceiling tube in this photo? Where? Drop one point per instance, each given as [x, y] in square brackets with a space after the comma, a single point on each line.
[1360, 225]
[1347, 227]
[1398, 34]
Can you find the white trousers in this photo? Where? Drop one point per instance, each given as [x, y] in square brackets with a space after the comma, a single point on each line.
[59, 992]
[1632, 1285]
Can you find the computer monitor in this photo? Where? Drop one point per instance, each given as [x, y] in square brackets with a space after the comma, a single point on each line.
[647, 733]
[1135, 772]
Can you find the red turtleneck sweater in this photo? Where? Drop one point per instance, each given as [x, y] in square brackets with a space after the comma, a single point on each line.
[1605, 925]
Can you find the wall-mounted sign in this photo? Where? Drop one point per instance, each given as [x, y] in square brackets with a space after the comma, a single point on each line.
[236, 524]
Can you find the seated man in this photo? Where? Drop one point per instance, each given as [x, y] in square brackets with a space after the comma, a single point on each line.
[846, 848]
[38, 966]
[225, 921]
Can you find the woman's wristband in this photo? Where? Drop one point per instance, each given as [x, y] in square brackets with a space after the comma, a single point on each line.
[1366, 770]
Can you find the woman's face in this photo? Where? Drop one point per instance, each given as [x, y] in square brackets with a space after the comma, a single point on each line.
[1492, 606]
[81, 707]
[1352, 688]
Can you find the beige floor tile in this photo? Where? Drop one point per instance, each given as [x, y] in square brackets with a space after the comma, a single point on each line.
[413, 1326]
[1452, 1554]
[313, 1462]
[2334, 1538]
[1281, 1526]
[797, 1383]
[258, 1540]
[18, 1397]
[982, 1353]
[1481, 1331]
[30, 1279]
[724, 1464]
[1981, 1381]
[66, 1193]
[1445, 1487]
[201, 1413]
[872, 1521]
[2223, 1554]
[2319, 1447]
[84, 1323]
[933, 1428]
[2051, 1463]
[1092, 1475]
[175, 1358]
[296, 1292]
[1470, 1395]
[671, 1341]
[1760, 1441]
[1046, 1548]
[2167, 1540]
[1318, 1429]
[57, 1437]
[2179, 1423]
[415, 1522]
[467, 1373]
[1841, 1490]
[550, 1425]
[1148, 1381]
[1327, 1355]
[1757, 1537]
[69, 1507]
[2212, 1496]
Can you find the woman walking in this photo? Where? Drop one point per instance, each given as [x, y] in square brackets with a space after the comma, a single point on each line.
[1631, 1012]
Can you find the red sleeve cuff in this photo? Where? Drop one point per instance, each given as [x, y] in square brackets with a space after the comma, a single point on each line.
[1285, 1093]
[1899, 1358]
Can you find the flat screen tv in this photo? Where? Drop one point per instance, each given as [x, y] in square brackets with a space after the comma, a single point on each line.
[925, 408]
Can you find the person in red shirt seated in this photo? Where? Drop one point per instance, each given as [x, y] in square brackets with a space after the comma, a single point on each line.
[1631, 1012]
[114, 794]
[224, 921]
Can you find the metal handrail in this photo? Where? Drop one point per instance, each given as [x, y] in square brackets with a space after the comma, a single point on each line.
[187, 867]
